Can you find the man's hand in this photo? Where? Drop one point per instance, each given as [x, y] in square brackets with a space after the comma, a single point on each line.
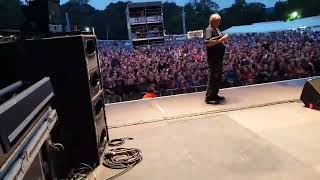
[225, 38]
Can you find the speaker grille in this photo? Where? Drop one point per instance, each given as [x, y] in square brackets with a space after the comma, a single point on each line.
[99, 116]
[95, 82]
[90, 50]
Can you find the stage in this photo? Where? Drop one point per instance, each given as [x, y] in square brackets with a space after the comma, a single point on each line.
[261, 132]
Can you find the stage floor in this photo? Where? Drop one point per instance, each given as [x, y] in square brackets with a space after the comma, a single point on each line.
[262, 132]
[180, 106]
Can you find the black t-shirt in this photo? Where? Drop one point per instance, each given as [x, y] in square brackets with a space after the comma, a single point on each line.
[218, 49]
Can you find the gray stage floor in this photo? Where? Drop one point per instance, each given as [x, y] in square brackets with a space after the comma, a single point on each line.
[141, 111]
[277, 141]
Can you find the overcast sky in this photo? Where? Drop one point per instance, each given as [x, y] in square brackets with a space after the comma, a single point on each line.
[101, 4]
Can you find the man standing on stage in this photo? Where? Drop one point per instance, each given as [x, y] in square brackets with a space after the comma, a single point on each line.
[214, 42]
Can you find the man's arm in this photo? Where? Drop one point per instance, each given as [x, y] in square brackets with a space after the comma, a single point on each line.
[212, 41]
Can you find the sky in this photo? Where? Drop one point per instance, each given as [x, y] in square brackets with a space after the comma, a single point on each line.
[101, 4]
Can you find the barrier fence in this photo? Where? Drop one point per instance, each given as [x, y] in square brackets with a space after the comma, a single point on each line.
[170, 92]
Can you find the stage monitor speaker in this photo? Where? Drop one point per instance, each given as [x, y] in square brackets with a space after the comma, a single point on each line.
[311, 94]
[72, 64]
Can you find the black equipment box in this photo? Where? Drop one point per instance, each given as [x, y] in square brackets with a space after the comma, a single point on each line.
[20, 104]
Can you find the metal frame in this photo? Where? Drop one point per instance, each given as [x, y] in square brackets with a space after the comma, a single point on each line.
[20, 161]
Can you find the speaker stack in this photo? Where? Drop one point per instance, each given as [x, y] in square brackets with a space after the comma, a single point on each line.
[72, 64]
[43, 17]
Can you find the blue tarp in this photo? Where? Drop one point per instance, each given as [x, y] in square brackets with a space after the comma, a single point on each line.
[275, 26]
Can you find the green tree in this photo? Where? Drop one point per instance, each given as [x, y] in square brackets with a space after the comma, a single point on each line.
[255, 12]
[116, 20]
[213, 6]
[80, 13]
[108, 23]
[235, 15]
[240, 3]
[281, 10]
[242, 13]
[11, 15]
[307, 8]
[100, 25]
[198, 12]
[172, 15]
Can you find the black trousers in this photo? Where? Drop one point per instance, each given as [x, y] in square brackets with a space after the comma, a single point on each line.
[215, 63]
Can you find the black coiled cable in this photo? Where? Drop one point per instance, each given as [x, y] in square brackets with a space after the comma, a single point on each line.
[118, 142]
[121, 158]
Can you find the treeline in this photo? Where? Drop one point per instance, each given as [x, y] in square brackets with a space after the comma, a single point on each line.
[110, 23]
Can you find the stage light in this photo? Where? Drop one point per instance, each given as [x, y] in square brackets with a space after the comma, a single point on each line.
[294, 14]
[87, 29]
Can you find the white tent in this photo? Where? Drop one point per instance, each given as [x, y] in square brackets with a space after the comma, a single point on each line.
[274, 26]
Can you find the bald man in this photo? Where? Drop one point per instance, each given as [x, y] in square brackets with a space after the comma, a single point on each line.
[214, 42]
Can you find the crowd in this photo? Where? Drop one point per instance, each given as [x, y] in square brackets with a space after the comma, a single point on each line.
[249, 59]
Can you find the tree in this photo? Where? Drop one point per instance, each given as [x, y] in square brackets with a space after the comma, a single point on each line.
[213, 6]
[281, 10]
[242, 13]
[80, 14]
[307, 8]
[80, 1]
[110, 22]
[255, 12]
[116, 20]
[235, 15]
[198, 12]
[100, 25]
[172, 15]
[11, 15]
[239, 3]
[191, 18]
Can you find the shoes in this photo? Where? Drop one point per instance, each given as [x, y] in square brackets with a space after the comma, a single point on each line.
[215, 100]
[220, 98]
[212, 102]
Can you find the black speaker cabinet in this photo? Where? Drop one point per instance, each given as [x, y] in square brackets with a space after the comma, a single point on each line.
[40, 14]
[9, 52]
[311, 94]
[72, 64]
